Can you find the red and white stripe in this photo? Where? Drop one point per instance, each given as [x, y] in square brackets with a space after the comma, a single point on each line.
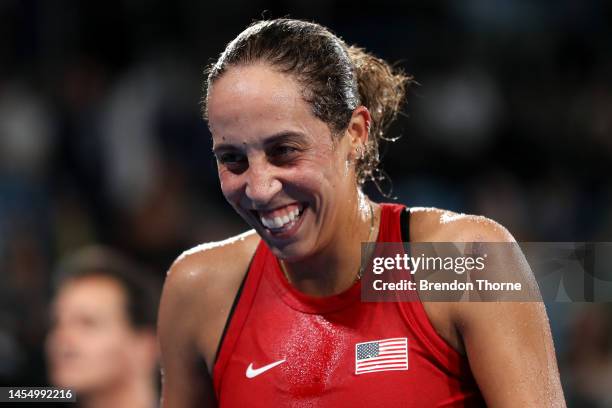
[392, 355]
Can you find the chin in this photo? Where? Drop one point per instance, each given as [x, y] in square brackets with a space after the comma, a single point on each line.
[289, 253]
[68, 381]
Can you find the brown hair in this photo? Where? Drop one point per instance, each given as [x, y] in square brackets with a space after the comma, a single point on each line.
[142, 288]
[336, 78]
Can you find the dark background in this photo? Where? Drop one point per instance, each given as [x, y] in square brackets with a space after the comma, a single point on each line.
[101, 139]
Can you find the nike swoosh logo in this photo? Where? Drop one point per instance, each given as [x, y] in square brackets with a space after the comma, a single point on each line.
[254, 372]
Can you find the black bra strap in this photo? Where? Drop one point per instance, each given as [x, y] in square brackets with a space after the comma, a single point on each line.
[405, 224]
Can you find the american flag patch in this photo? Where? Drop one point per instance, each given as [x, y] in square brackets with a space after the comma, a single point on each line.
[381, 355]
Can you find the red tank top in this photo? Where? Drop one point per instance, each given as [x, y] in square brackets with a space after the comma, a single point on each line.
[283, 348]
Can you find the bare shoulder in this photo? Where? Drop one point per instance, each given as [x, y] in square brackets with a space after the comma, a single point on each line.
[493, 334]
[429, 224]
[199, 290]
[213, 265]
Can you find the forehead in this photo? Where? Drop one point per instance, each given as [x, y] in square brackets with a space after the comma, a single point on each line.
[96, 294]
[256, 99]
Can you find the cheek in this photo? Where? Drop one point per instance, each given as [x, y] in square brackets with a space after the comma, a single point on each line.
[311, 179]
[329, 169]
[230, 185]
[317, 171]
[108, 353]
[102, 357]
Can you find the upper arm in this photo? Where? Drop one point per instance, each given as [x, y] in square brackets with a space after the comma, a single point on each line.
[509, 344]
[510, 350]
[185, 378]
[199, 290]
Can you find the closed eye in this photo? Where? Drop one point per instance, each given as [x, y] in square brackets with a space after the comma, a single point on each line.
[283, 154]
[233, 161]
[280, 150]
[230, 158]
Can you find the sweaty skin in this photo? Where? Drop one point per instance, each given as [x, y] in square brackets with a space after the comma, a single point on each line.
[273, 153]
[506, 343]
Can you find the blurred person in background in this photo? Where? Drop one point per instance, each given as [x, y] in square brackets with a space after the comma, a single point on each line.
[102, 342]
[588, 360]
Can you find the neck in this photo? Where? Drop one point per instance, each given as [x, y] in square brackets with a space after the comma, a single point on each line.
[133, 393]
[336, 267]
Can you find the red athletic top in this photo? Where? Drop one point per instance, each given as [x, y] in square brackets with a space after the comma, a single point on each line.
[283, 348]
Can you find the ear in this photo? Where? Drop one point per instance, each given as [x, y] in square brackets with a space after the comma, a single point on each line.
[358, 131]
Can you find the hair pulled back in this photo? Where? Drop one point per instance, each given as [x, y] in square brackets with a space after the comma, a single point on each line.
[335, 78]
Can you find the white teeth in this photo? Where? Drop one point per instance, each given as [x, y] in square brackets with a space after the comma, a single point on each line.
[279, 222]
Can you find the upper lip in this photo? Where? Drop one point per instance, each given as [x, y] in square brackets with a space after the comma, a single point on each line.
[270, 209]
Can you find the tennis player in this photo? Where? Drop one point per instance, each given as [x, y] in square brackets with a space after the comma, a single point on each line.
[273, 317]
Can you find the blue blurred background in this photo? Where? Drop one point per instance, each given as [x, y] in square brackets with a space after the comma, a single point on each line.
[102, 141]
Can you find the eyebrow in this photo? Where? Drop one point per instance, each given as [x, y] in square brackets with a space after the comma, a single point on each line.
[284, 136]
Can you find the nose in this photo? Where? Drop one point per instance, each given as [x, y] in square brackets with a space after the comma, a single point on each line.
[262, 183]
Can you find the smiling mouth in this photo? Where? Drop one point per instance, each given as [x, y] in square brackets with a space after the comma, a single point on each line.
[280, 220]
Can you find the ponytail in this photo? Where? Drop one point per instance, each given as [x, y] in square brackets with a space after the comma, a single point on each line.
[382, 90]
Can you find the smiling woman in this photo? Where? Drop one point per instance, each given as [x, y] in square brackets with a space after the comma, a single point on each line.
[273, 317]
[276, 158]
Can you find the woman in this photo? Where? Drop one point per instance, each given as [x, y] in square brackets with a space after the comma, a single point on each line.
[273, 317]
